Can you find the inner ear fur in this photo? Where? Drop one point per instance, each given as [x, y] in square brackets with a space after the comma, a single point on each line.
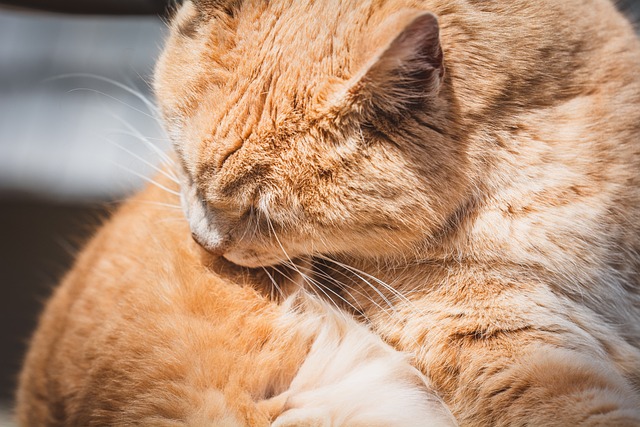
[407, 70]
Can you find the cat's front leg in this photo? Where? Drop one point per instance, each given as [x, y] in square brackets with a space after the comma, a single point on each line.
[555, 387]
[513, 358]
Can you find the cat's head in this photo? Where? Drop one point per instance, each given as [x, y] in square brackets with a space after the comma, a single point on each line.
[310, 127]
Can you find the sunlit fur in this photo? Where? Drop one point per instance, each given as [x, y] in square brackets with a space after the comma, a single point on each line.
[480, 157]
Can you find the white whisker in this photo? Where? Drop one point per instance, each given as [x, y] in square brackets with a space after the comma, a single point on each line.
[164, 220]
[316, 285]
[360, 276]
[277, 239]
[275, 284]
[133, 132]
[152, 108]
[118, 100]
[361, 273]
[305, 277]
[248, 226]
[146, 162]
[147, 179]
[396, 293]
[348, 288]
[159, 204]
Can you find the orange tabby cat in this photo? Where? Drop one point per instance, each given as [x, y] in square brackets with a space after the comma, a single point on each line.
[460, 174]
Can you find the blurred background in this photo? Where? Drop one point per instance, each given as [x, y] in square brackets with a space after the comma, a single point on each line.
[78, 132]
[76, 124]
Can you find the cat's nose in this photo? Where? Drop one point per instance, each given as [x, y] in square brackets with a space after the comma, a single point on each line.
[214, 249]
[195, 237]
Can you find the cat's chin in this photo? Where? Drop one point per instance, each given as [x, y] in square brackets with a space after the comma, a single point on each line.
[251, 259]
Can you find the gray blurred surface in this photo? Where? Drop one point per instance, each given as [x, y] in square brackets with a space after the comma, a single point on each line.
[113, 7]
[59, 134]
[58, 142]
[5, 416]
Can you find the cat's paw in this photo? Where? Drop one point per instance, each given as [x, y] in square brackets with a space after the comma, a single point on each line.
[380, 399]
[352, 378]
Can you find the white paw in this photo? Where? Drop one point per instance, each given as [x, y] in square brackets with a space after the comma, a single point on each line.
[352, 378]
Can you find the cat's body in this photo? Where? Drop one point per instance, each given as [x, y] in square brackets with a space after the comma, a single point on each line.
[199, 344]
[468, 185]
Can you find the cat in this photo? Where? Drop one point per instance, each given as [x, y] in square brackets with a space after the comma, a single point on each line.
[459, 175]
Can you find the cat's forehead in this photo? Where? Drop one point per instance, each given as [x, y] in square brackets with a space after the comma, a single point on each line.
[281, 54]
[287, 50]
[266, 65]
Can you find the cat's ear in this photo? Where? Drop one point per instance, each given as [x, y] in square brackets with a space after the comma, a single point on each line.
[408, 68]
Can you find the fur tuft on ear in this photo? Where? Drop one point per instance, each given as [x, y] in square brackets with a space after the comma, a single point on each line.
[407, 71]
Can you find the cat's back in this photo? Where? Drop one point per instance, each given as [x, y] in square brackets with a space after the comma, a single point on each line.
[136, 316]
